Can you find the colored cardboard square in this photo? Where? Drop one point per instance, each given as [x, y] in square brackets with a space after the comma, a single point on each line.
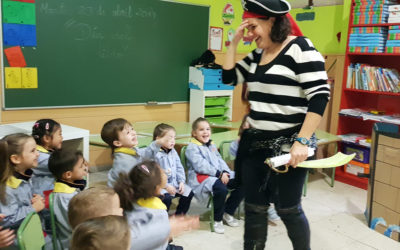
[19, 12]
[15, 57]
[19, 34]
[29, 78]
[13, 78]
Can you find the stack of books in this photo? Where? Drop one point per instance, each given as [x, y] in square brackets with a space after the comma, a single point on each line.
[371, 11]
[394, 13]
[366, 77]
[393, 39]
[368, 39]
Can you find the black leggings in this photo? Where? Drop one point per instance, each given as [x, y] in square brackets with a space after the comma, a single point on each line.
[263, 186]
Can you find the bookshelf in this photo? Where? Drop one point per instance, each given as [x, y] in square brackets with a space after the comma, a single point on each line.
[387, 102]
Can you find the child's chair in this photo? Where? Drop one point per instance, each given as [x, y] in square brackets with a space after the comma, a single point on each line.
[56, 243]
[30, 234]
[210, 203]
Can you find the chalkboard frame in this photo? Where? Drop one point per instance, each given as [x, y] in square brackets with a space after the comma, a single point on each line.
[3, 90]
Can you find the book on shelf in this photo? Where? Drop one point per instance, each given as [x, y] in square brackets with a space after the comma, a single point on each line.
[358, 139]
[370, 78]
[368, 115]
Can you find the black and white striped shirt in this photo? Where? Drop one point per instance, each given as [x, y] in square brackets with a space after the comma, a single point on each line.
[284, 90]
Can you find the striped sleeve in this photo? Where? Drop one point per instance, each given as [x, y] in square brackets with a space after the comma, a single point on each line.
[241, 70]
[311, 73]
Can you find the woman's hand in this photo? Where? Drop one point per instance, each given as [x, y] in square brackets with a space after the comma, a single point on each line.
[298, 153]
[239, 33]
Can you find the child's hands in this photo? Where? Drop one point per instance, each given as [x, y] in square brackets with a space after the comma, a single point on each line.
[181, 188]
[225, 178]
[179, 224]
[171, 189]
[6, 236]
[162, 140]
[36, 197]
[38, 202]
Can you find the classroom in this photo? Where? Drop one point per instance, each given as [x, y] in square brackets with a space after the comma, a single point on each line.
[135, 64]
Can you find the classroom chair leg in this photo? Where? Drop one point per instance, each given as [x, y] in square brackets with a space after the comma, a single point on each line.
[211, 206]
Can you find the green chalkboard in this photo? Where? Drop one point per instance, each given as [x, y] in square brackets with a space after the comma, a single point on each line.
[110, 52]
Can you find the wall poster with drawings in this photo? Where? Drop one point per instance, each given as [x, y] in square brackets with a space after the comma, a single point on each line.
[216, 37]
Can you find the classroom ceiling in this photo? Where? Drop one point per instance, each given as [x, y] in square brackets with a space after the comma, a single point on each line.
[303, 3]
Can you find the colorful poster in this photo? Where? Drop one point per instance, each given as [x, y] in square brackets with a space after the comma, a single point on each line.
[216, 38]
[19, 34]
[15, 57]
[228, 14]
[18, 12]
[13, 78]
[29, 78]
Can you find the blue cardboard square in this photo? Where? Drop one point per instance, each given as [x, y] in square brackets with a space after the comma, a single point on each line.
[19, 34]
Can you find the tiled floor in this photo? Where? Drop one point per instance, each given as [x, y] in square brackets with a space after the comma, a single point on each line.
[335, 215]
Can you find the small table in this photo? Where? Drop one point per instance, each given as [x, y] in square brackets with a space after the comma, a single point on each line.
[73, 137]
[226, 125]
[216, 137]
[97, 141]
[183, 129]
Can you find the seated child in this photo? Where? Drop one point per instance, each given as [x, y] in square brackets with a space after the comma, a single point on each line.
[169, 161]
[19, 200]
[69, 168]
[120, 136]
[91, 203]
[146, 214]
[48, 136]
[106, 232]
[208, 173]
[7, 235]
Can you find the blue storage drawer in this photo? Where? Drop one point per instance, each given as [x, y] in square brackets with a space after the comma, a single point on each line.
[212, 79]
[211, 72]
[217, 86]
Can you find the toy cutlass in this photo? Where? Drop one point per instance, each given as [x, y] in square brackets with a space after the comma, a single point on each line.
[336, 160]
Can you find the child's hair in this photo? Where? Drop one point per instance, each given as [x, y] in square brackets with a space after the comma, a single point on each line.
[110, 130]
[140, 182]
[63, 160]
[107, 232]
[5, 169]
[89, 203]
[15, 144]
[161, 129]
[196, 122]
[44, 127]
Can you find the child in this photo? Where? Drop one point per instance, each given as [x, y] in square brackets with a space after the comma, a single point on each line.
[48, 136]
[91, 203]
[145, 212]
[6, 235]
[69, 168]
[272, 214]
[120, 136]
[22, 156]
[209, 173]
[170, 162]
[107, 232]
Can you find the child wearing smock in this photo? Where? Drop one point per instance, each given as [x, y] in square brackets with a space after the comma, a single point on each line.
[145, 212]
[120, 136]
[20, 200]
[48, 136]
[208, 173]
[170, 162]
[69, 168]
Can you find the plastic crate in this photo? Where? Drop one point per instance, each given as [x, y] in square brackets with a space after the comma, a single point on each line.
[217, 119]
[362, 153]
[215, 111]
[216, 101]
[355, 167]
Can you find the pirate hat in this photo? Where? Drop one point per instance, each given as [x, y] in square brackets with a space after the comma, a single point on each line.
[265, 8]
